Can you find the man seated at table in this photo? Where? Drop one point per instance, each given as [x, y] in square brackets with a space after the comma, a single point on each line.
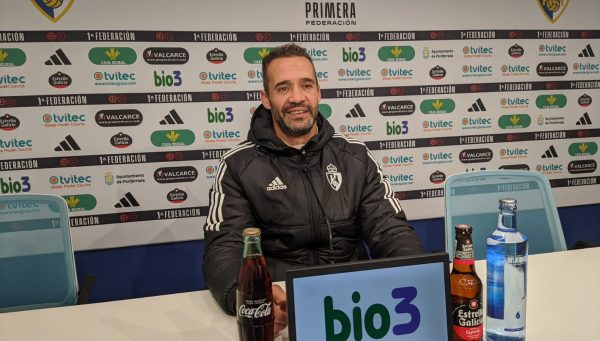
[315, 194]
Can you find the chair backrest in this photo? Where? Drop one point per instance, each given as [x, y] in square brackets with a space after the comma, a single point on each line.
[37, 268]
[472, 198]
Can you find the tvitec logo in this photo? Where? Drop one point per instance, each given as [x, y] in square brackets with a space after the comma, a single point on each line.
[64, 120]
[255, 76]
[397, 161]
[552, 50]
[478, 52]
[478, 70]
[218, 78]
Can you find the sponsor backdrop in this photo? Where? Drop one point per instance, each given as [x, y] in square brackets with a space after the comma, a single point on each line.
[124, 108]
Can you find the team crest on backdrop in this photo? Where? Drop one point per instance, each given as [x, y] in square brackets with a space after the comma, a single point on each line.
[553, 9]
[53, 9]
[334, 177]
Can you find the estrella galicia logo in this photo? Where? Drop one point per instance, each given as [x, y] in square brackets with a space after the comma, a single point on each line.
[584, 100]
[172, 138]
[177, 196]
[166, 55]
[9, 122]
[54, 10]
[60, 80]
[582, 166]
[12, 57]
[554, 69]
[80, 202]
[476, 155]
[255, 55]
[121, 140]
[396, 53]
[553, 9]
[397, 108]
[112, 55]
[437, 72]
[168, 175]
[118, 118]
[216, 56]
[516, 51]
[437, 177]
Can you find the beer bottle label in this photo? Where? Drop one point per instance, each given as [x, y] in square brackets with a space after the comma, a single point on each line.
[467, 319]
[464, 252]
[252, 307]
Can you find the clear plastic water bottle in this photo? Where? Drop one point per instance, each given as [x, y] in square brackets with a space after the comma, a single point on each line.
[506, 277]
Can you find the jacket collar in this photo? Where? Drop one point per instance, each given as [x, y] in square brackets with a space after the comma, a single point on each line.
[262, 133]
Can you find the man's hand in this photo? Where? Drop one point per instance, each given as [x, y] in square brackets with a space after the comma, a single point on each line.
[280, 309]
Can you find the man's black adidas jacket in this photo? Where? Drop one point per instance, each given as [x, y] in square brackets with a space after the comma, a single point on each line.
[264, 183]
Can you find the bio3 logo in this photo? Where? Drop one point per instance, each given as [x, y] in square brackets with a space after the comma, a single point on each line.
[15, 186]
[218, 116]
[376, 319]
[162, 79]
[349, 55]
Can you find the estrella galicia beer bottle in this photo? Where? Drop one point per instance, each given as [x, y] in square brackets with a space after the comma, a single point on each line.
[254, 298]
[466, 289]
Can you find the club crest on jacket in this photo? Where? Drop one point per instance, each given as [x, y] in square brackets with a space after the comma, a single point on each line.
[334, 177]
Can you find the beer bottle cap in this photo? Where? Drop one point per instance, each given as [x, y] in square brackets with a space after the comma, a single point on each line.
[463, 227]
[251, 232]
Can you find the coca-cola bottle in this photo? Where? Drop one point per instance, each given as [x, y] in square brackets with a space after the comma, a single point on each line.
[254, 296]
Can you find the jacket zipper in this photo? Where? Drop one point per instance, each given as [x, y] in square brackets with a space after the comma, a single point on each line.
[313, 212]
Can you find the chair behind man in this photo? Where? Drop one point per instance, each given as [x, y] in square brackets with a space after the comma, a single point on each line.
[472, 198]
[37, 268]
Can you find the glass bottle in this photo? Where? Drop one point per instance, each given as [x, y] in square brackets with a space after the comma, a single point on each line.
[254, 298]
[466, 289]
[506, 277]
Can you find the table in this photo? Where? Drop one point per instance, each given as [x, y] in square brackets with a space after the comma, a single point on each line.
[563, 304]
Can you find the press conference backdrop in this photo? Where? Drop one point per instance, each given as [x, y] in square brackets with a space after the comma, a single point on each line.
[124, 108]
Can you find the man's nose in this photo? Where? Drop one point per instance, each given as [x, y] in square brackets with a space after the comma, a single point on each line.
[296, 95]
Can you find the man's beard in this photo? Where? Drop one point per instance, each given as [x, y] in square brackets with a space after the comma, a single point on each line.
[295, 130]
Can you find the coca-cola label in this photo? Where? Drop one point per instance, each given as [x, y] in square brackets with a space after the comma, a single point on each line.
[255, 308]
[467, 319]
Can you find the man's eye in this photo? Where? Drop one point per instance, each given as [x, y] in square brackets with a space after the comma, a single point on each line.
[308, 86]
[282, 89]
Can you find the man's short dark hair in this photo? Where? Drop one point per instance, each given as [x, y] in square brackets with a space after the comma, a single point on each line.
[287, 50]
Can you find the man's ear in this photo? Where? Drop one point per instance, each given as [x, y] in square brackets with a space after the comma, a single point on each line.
[264, 98]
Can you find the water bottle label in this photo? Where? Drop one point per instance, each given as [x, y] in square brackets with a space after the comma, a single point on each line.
[495, 281]
[467, 320]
